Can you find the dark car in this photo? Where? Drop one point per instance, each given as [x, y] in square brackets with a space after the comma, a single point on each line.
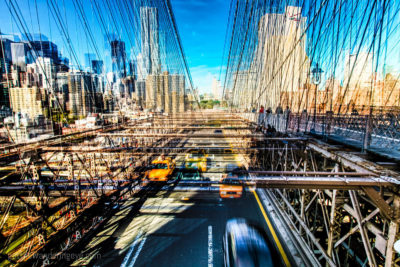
[193, 177]
[246, 245]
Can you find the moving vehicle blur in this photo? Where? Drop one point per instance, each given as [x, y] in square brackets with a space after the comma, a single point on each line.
[160, 170]
[231, 186]
[193, 177]
[196, 160]
[246, 245]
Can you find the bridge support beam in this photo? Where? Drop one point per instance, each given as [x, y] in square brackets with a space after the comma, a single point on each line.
[392, 234]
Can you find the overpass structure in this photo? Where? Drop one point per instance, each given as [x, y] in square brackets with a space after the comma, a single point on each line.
[322, 204]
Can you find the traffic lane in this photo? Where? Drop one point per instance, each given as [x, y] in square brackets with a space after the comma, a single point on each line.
[215, 164]
[171, 229]
[98, 244]
[182, 237]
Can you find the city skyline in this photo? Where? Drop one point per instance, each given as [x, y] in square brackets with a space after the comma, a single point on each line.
[204, 57]
[33, 66]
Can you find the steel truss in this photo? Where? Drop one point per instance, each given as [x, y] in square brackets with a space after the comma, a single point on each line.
[342, 227]
[345, 208]
[40, 224]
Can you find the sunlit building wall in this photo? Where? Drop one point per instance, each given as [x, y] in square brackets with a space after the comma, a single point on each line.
[280, 62]
[27, 100]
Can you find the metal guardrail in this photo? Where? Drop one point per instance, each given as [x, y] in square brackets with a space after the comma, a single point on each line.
[374, 131]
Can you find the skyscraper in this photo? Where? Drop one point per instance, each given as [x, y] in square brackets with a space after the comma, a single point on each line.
[97, 66]
[5, 54]
[82, 93]
[5, 68]
[45, 49]
[280, 63]
[141, 72]
[89, 57]
[20, 55]
[118, 57]
[150, 40]
[131, 67]
[45, 66]
[28, 100]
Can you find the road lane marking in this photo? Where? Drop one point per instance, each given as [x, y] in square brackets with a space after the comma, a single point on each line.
[269, 224]
[138, 252]
[210, 247]
[128, 255]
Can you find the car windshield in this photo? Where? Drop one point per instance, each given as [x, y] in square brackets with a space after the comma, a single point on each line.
[191, 164]
[160, 166]
[231, 181]
[190, 176]
[195, 155]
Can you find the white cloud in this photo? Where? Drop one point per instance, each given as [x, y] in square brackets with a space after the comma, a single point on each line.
[203, 76]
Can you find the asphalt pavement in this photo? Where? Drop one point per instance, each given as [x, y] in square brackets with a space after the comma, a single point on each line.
[169, 228]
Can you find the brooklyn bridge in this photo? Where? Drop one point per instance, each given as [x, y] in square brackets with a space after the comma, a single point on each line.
[111, 153]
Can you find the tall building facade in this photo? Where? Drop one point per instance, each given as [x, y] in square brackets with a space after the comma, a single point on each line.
[140, 86]
[82, 98]
[45, 49]
[27, 100]
[46, 67]
[165, 92]
[150, 40]
[20, 55]
[97, 66]
[358, 70]
[280, 63]
[89, 57]
[5, 69]
[152, 86]
[118, 58]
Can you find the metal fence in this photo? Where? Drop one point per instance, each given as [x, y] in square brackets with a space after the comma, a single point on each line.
[379, 132]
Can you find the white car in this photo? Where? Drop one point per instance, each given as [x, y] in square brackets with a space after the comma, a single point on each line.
[246, 245]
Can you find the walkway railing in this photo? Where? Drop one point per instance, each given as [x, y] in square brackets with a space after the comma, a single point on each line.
[374, 132]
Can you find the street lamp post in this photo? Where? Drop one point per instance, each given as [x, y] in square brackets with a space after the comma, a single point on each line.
[316, 79]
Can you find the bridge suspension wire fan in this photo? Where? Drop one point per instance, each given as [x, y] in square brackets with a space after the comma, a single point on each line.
[315, 56]
[81, 58]
[145, 38]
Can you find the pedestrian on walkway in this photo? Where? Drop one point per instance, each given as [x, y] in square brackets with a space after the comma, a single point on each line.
[261, 116]
[286, 115]
[279, 109]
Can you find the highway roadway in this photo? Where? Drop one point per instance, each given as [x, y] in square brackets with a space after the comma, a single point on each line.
[170, 228]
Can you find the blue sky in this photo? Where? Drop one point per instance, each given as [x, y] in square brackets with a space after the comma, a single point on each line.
[202, 26]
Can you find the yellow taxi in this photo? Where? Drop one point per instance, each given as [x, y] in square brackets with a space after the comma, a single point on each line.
[160, 170]
[230, 187]
[196, 160]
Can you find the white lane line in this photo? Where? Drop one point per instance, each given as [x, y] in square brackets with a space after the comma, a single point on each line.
[128, 255]
[210, 247]
[137, 252]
